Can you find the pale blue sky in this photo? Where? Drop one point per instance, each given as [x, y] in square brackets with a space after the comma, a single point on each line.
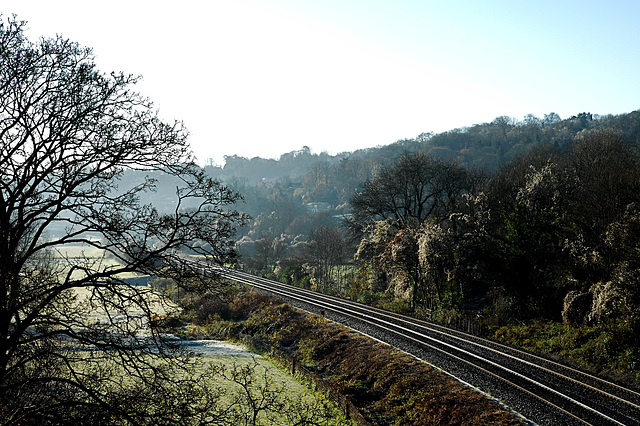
[265, 77]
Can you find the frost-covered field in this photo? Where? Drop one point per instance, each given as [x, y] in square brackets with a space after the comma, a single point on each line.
[81, 254]
[85, 299]
[217, 348]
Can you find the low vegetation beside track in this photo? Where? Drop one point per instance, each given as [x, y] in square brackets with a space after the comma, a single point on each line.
[607, 350]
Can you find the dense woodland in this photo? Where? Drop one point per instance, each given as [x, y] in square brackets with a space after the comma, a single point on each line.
[512, 220]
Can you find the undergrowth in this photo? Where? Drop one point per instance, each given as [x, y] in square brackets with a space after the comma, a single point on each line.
[611, 350]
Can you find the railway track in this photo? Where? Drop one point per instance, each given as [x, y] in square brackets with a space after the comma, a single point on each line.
[542, 390]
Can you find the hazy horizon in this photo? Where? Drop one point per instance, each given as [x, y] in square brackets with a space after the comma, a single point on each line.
[267, 77]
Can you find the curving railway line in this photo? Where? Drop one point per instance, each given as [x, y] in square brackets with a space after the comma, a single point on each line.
[545, 392]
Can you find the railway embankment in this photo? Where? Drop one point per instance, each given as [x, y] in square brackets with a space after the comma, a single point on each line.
[373, 382]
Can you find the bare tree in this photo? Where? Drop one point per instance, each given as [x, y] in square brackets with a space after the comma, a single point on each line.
[67, 135]
[408, 192]
[257, 398]
[327, 251]
[607, 170]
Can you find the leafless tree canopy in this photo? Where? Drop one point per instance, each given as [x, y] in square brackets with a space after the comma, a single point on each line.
[417, 187]
[67, 134]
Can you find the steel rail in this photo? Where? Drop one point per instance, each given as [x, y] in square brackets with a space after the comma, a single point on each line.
[359, 317]
[266, 285]
[435, 328]
[366, 315]
[311, 297]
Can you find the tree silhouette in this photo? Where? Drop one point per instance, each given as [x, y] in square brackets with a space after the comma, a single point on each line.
[406, 193]
[69, 323]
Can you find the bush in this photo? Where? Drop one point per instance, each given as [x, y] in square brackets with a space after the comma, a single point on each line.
[369, 297]
[604, 349]
[396, 305]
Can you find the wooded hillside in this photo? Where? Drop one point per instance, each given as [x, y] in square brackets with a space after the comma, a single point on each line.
[533, 219]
